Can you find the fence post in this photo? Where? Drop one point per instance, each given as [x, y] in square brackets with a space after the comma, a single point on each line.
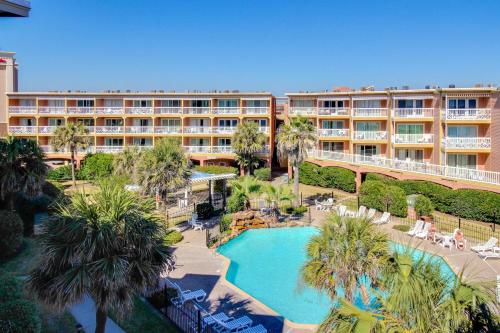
[168, 222]
[207, 236]
[301, 198]
[357, 197]
[310, 219]
[199, 321]
[459, 223]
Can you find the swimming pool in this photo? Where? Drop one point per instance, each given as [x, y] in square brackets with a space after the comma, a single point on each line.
[265, 263]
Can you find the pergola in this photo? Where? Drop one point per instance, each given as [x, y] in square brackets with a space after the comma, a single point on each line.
[201, 177]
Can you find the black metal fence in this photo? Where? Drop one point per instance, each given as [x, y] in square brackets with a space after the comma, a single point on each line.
[188, 318]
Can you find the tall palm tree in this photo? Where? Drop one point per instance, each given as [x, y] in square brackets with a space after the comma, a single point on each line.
[71, 136]
[293, 141]
[246, 142]
[343, 255]
[276, 195]
[163, 169]
[22, 168]
[108, 245]
[246, 187]
[125, 163]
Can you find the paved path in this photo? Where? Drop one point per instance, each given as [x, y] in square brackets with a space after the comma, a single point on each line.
[84, 313]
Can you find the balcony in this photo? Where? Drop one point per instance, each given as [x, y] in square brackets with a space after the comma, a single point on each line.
[168, 130]
[226, 111]
[168, 110]
[198, 129]
[22, 109]
[91, 129]
[413, 138]
[107, 110]
[222, 150]
[466, 114]
[139, 129]
[142, 110]
[414, 113]
[264, 129]
[197, 110]
[467, 143]
[303, 111]
[198, 149]
[46, 129]
[22, 129]
[370, 112]
[332, 133]
[47, 149]
[109, 129]
[256, 110]
[224, 130]
[51, 110]
[333, 112]
[369, 135]
[109, 149]
[81, 110]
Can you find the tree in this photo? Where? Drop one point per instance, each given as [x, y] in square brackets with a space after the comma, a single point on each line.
[109, 245]
[124, 163]
[293, 142]
[73, 137]
[246, 142]
[163, 169]
[276, 195]
[244, 188]
[22, 169]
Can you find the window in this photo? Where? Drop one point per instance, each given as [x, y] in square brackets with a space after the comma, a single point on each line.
[367, 126]
[462, 131]
[86, 121]
[113, 103]
[204, 103]
[85, 103]
[332, 124]
[56, 121]
[413, 154]
[198, 142]
[142, 142]
[113, 142]
[27, 102]
[141, 103]
[257, 103]
[303, 103]
[224, 142]
[227, 103]
[410, 103]
[171, 122]
[333, 104]
[55, 103]
[27, 122]
[113, 122]
[367, 150]
[260, 122]
[141, 122]
[333, 146]
[462, 161]
[410, 129]
[368, 104]
[199, 122]
[462, 103]
[228, 122]
[170, 103]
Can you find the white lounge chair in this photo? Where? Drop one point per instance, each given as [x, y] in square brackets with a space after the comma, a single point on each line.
[383, 219]
[184, 296]
[488, 246]
[319, 204]
[194, 223]
[212, 319]
[341, 210]
[256, 329]
[371, 214]
[493, 253]
[361, 211]
[425, 231]
[237, 324]
[416, 228]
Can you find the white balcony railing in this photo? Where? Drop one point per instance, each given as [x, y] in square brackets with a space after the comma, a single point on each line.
[303, 111]
[466, 114]
[222, 150]
[226, 110]
[139, 129]
[331, 132]
[264, 129]
[109, 110]
[467, 143]
[168, 110]
[109, 129]
[413, 113]
[22, 109]
[46, 129]
[255, 110]
[51, 110]
[198, 149]
[80, 110]
[168, 129]
[109, 149]
[22, 129]
[489, 177]
[50, 150]
[198, 129]
[197, 110]
[369, 135]
[333, 111]
[370, 112]
[91, 129]
[224, 129]
[413, 138]
[139, 110]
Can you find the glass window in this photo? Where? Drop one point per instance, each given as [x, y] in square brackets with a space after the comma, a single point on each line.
[170, 103]
[56, 121]
[410, 129]
[256, 103]
[113, 142]
[198, 142]
[367, 126]
[142, 142]
[113, 103]
[472, 104]
[141, 103]
[303, 103]
[27, 102]
[412, 154]
[368, 104]
[56, 102]
[333, 124]
[86, 121]
[171, 122]
[462, 131]
[367, 150]
[114, 122]
[227, 103]
[85, 103]
[462, 161]
[204, 103]
[452, 104]
[224, 142]
[333, 146]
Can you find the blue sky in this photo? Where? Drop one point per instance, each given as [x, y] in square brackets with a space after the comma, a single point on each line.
[253, 45]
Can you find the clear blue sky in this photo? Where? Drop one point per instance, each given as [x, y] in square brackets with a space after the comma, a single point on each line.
[252, 45]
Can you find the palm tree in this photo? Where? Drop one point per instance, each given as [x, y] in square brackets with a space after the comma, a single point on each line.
[22, 168]
[343, 255]
[125, 163]
[246, 142]
[163, 169]
[276, 195]
[246, 187]
[293, 141]
[72, 136]
[108, 245]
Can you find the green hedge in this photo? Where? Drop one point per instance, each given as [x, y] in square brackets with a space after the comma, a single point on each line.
[10, 288]
[173, 237]
[60, 173]
[236, 202]
[216, 169]
[96, 166]
[225, 222]
[19, 316]
[331, 177]
[262, 173]
[376, 194]
[423, 205]
[470, 204]
[11, 231]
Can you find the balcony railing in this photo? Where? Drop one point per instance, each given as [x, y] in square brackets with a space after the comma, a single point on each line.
[255, 110]
[168, 129]
[489, 177]
[414, 113]
[198, 149]
[109, 149]
[224, 129]
[139, 129]
[226, 110]
[333, 111]
[23, 129]
[139, 110]
[51, 110]
[413, 138]
[50, 150]
[466, 114]
[109, 129]
[81, 110]
[109, 110]
[333, 132]
[46, 129]
[22, 109]
[222, 150]
[168, 110]
[467, 143]
[264, 129]
[91, 129]
[370, 112]
[369, 135]
[303, 111]
[197, 110]
[198, 129]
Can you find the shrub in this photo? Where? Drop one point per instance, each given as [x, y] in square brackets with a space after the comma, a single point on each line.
[216, 169]
[19, 316]
[300, 210]
[401, 227]
[376, 194]
[225, 222]
[331, 177]
[11, 229]
[309, 174]
[262, 173]
[395, 199]
[96, 166]
[53, 189]
[423, 205]
[173, 237]
[205, 210]
[236, 202]
[60, 173]
[10, 288]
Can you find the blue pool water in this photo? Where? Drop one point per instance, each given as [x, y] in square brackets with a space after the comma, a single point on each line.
[265, 263]
[198, 174]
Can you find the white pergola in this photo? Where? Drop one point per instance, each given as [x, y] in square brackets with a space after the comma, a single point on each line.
[201, 177]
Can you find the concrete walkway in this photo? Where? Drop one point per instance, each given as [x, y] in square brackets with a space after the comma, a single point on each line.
[84, 313]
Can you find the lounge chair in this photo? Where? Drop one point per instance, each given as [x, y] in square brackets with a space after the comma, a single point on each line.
[256, 329]
[233, 325]
[383, 219]
[319, 204]
[184, 296]
[341, 210]
[361, 211]
[194, 223]
[488, 246]
[425, 231]
[212, 319]
[416, 228]
[493, 253]
[371, 214]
